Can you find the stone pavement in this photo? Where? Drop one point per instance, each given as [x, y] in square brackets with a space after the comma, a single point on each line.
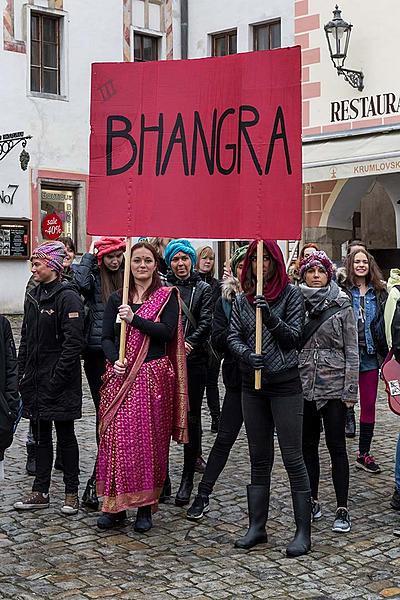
[47, 555]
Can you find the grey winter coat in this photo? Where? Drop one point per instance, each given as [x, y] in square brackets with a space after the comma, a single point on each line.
[329, 361]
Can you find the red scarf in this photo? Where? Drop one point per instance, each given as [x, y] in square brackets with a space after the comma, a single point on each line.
[274, 286]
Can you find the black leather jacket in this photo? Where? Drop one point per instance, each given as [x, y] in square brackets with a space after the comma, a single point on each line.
[280, 341]
[197, 296]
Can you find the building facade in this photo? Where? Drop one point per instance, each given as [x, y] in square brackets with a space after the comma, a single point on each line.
[46, 52]
[351, 137]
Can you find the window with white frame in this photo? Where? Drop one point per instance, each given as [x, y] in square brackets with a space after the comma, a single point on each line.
[267, 36]
[146, 47]
[45, 53]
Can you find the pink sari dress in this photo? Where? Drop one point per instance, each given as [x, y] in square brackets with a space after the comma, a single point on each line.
[139, 413]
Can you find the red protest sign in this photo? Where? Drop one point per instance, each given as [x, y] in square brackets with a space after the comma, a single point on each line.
[197, 148]
[52, 226]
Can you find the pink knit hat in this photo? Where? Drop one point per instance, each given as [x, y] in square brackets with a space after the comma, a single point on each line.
[52, 254]
[106, 245]
[317, 259]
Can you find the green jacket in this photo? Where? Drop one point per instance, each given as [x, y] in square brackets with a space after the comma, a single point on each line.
[393, 287]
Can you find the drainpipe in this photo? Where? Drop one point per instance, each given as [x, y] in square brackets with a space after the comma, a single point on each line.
[184, 29]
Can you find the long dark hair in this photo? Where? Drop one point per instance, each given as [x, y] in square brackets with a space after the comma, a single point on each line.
[156, 281]
[111, 281]
[374, 276]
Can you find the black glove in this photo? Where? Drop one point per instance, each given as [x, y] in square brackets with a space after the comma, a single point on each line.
[260, 302]
[256, 361]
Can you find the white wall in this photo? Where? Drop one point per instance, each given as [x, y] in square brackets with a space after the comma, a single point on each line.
[208, 16]
[59, 128]
[373, 49]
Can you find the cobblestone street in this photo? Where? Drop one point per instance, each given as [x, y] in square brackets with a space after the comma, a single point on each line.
[47, 555]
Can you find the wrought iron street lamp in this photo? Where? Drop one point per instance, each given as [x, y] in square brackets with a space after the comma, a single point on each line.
[338, 34]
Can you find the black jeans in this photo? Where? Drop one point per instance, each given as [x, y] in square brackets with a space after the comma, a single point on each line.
[334, 418]
[212, 390]
[262, 411]
[197, 374]
[68, 446]
[94, 364]
[229, 426]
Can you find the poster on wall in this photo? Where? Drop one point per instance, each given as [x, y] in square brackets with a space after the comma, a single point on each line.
[57, 213]
[197, 148]
[15, 238]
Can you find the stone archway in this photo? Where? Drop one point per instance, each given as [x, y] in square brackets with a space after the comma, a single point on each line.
[332, 224]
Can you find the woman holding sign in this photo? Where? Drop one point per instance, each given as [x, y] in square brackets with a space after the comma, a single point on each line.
[279, 402]
[99, 273]
[144, 398]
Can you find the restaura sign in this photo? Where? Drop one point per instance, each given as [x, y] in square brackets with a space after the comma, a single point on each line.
[365, 107]
[197, 148]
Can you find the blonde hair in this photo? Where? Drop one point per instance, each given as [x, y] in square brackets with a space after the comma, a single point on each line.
[205, 252]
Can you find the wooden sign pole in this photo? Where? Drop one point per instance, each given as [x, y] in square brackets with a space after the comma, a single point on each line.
[125, 293]
[227, 247]
[259, 291]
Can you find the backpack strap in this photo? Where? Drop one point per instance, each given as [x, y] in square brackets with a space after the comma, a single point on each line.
[314, 324]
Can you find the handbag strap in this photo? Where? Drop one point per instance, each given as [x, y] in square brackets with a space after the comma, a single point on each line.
[314, 324]
[188, 313]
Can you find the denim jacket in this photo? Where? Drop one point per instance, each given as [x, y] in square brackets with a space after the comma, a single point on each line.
[370, 311]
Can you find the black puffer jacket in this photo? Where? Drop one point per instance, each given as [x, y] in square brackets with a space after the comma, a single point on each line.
[9, 399]
[219, 333]
[52, 339]
[87, 279]
[280, 340]
[197, 296]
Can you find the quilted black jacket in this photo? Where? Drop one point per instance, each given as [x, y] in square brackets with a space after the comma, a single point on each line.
[87, 279]
[281, 338]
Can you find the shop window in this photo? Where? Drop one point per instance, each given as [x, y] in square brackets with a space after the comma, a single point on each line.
[224, 43]
[267, 36]
[45, 53]
[146, 47]
[57, 207]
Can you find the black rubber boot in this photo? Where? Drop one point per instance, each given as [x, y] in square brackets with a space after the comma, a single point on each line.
[350, 426]
[143, 519]
[89, 498]
[31, 459]
[185, 489]
[258, 503]
[301, 543]
[110, 520]
[166, 490]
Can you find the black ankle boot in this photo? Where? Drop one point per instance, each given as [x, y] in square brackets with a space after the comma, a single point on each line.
[185, 489]
[258, 503]
[166, 490]
[110, 520]
[89, 497]
[301, 543]
[350, 426]
[143, 519]
[31, 459]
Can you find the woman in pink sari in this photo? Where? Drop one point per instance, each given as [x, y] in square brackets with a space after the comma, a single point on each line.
[143, 399]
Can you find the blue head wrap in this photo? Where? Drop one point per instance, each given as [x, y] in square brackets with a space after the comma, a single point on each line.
[176, 246]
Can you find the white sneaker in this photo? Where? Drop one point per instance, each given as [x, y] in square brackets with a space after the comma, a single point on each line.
[342, 522]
